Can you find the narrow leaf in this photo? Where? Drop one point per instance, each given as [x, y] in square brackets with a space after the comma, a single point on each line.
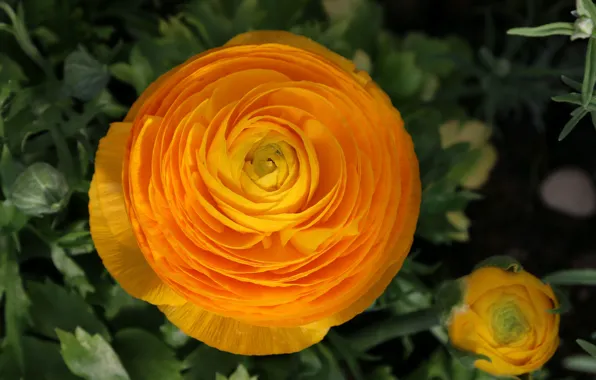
[580, 363]
[394, 327]
[571, 83]
[589, 73]
[556, 28]
[572, 277]
[587, 346]
[579, 114]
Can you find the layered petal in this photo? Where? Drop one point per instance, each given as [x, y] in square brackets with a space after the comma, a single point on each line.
[270, 186]
[227, 334]
[111, 229]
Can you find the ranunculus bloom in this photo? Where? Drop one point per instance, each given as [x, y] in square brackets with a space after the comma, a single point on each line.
[259, 194]
[506, 316]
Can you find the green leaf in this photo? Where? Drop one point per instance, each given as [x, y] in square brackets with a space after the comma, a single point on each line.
[382, 373]
[43, 361]
[10, 169]
[577, 115]
[76, 239]
[11, 76]
[173, 336]
[580, 363]
[571, 83]
[241, 373]
[19, 30]
[564, 302]
[467, 359]
[506, 263]
[589, 73]
[553, 29]
[84, 76]
[572, 277]
[589, 6]
[114, 299]
[73, 274]
[145, 357]
[587, 346]
[137, 73]
[346, 353]
[11, 218]
[40, 189]
[49, 301]
[394, 327]
[449, 295]
[16, 309]
[90, 357]
[400, 75]
[205, 362]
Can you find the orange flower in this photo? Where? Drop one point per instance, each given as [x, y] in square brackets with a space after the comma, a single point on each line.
[259, 194]
[505, 316]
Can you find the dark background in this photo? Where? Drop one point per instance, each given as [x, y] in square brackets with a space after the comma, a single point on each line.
[511, 219]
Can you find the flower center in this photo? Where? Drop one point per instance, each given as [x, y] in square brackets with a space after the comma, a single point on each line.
[509, 323]
[267, 166]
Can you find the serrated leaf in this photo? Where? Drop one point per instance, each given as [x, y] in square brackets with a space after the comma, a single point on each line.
[114, 299]
[84, 76]
[577, 115]
[145, 357]
[73, 274]
[43, 361]
[40, 189]
[241, 373]
[137, 73]
[205, 362]
[553, 29]
[90, 357]
[16, 309]
[172, 335]
[572, 277]
[49, 301]
[400, 75]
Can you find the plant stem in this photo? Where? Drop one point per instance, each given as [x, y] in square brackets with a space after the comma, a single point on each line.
[394, 327]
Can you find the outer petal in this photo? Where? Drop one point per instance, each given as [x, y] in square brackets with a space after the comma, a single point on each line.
[239, 338]
[111, 229]
[286, 38]
[485, 279]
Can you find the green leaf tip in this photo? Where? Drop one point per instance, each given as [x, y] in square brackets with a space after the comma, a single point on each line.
[506, 263]
[587, 346]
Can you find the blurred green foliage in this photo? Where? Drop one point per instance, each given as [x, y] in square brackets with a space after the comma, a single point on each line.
[70, 67]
